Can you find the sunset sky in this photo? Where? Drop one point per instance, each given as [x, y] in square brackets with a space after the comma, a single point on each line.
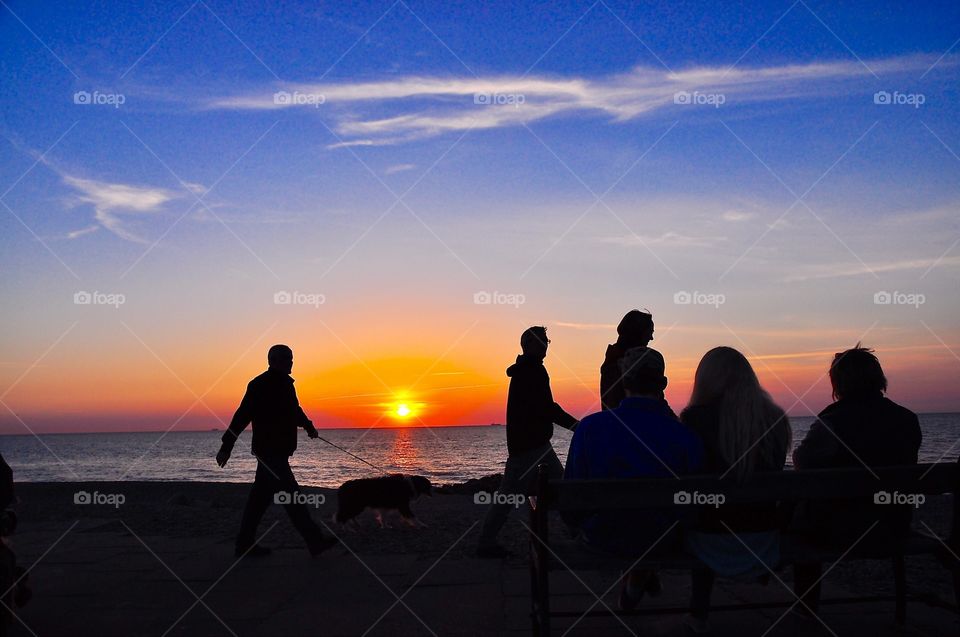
[396, 190]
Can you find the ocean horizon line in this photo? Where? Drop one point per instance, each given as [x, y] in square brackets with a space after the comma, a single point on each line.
[347, 428]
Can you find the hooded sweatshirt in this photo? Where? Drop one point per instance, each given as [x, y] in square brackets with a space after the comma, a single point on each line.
[531, 411]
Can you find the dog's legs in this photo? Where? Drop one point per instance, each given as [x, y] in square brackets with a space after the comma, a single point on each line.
[349, 525]
[413, 522]
[379, 517]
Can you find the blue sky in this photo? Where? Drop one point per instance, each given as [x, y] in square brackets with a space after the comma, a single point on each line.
[591, 157]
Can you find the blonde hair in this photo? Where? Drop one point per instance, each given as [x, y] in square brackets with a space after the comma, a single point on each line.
[748, 436]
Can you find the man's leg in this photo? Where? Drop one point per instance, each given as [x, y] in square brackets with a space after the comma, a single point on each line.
[806, 586]
[518, 476]
[555, 469]
[297, 511]
[261, 494]
[702, 586]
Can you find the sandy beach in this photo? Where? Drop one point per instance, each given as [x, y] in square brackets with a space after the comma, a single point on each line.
[137, 567]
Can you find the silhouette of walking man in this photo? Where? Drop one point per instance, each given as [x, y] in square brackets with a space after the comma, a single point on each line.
[271, 404]
[531, 414]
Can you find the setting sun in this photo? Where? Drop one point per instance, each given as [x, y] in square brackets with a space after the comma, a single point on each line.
[403, 410]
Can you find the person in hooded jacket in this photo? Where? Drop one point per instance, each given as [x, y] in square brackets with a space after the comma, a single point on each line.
[635, 330]
[531, 415]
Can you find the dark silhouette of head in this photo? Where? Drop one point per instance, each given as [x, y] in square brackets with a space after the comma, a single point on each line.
[643, 372]
[856, 373]
[635, 329]
[280, 358]
[534, 342]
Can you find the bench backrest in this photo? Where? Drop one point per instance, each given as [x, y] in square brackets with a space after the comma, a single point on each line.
[896, 484]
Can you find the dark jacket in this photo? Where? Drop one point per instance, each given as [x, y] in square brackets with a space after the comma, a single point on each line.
[271, 405]
[704, 420]
[612, 392]
[6, 485]
[611, 385]
[871, 430]
[531, 411]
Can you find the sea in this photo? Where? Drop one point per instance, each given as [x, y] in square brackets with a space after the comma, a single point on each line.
[446, 455]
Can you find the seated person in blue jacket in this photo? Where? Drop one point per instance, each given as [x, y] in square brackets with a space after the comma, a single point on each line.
[640, 438]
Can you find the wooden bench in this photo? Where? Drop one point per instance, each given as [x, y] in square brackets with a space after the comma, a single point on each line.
[785, 486]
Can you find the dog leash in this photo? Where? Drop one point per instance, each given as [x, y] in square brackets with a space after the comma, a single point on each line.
[352, 455]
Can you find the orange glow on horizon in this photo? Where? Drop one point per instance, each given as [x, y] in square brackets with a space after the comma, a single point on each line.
[408, 391]
[136, 391]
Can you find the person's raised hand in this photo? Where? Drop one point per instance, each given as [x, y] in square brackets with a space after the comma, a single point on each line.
[313, 433]
[222, 456]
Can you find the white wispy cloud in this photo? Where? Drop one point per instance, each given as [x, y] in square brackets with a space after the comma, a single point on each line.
[398, 168]
[667, 239]
[407, 108]
[79, 233]
[734, 216]
[833, 271]
[113, 201]
[585, 326]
